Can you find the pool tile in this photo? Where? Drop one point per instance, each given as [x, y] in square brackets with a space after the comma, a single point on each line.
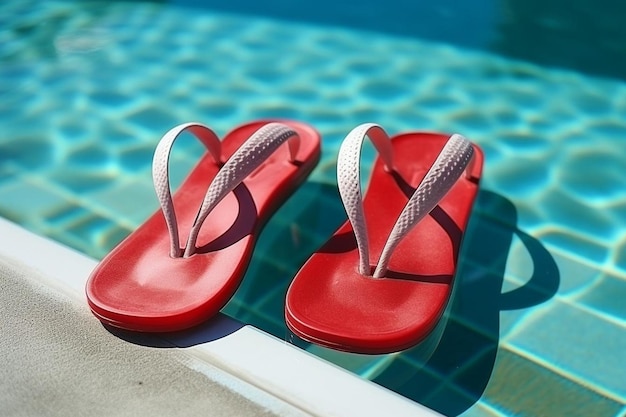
[451, 382]
[137, 159]
[487, 243]
[90, 156]
[130, 202]
[271, 302]
[265, 283]
[151, 117]
[474, 375]
[599, 226]
[78, 182]
[576, 245]
[111, 237]
[579, 343]
[607, 297]
[519, 386]
[77, 227]
[118, 133]
[252, 316]
[512, 319]
[461, 359]
[29, 152]
[575, 274]
[72, 132]
[519, 265]
[532, 274]
[476, 302]
[522, 180]
[504, 273]
[66, 215]
[449, 401]
[580, 189]
[23, 200]
[400, 370]
[404, 378]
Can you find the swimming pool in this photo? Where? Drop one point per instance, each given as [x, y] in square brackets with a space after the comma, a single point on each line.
[537, 326]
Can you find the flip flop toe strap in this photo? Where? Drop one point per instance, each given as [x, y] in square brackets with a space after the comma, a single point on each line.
[243, 162]
[443, 174]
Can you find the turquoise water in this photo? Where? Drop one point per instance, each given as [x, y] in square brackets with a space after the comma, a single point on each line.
[538, 324]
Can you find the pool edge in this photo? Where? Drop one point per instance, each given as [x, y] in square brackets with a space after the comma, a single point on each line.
[247, 354]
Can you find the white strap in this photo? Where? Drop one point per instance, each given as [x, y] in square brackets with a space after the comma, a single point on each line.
[241, 164]
[161, 177]
[445, 171]
[349, 181]
[244, 161]
[442, 175]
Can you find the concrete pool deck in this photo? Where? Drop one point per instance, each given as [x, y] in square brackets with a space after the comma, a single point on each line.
[59, 359]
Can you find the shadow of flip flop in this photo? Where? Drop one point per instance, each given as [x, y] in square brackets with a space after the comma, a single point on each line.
[213, 329]
[457, 373]
[449, 378]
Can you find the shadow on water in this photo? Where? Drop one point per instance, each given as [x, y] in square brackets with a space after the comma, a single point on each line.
[457, 373]
[455, 376]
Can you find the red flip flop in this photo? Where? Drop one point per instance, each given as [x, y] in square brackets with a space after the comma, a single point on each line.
[148, 282]
[410, 224]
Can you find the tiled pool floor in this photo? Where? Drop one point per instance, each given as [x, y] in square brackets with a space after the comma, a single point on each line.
[538, 324]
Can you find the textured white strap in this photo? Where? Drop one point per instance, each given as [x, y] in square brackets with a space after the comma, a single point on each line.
[442, 175]
[244, 161]
[161, 178]
[241, 164]
[446, 170]
[349, 181]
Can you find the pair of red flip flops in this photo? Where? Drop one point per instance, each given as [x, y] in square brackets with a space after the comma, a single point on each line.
[410, 223]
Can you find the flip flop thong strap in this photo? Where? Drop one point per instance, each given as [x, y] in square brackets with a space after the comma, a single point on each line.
[161, 178]
[448, 167]
[242, 163]
[442, 175]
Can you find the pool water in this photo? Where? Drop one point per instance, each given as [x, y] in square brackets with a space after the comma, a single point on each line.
[538, 323]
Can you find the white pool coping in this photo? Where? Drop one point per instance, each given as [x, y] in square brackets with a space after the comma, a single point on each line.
[281, 370]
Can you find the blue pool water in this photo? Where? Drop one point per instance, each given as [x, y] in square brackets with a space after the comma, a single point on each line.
[538, 323]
